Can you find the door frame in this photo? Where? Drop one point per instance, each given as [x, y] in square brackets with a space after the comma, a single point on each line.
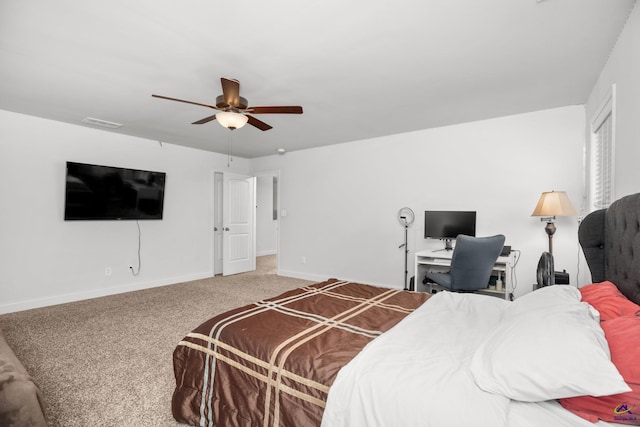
[213, 207]
[217, 203]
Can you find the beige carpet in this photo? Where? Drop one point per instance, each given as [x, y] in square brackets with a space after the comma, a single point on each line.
[107, 361]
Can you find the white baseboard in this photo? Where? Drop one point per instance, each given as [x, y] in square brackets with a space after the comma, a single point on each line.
[96, 293]
[270, 252]
[303, 276]
[322, 278]
[129, 287]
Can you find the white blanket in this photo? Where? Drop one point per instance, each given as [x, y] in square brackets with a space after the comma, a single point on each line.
[418, 372]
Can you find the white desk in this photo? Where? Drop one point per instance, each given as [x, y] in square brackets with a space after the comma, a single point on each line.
[440, 260]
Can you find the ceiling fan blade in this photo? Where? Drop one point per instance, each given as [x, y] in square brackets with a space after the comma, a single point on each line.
[185, 101]
[258, 123]
[275, 110]
[205, 120]
[231, 91]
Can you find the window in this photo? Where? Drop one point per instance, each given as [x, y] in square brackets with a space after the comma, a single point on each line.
[601, 154]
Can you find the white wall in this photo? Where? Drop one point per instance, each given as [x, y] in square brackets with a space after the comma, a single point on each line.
[46, 260]
[623, 69]
[342, 200]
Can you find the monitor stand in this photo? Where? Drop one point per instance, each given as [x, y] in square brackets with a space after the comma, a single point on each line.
[447, 246]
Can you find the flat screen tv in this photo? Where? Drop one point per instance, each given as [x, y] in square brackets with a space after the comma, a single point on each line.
[446, 225]
[96, 192]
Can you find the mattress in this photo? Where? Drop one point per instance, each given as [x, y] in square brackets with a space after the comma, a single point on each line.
[273, 362]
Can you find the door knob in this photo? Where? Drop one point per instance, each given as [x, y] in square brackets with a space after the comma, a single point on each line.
[226, 229]
[215, 228]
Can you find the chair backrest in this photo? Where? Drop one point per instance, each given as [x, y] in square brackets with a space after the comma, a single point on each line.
[473, 260]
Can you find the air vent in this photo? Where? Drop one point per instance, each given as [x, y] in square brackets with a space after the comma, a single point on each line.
[101, 123]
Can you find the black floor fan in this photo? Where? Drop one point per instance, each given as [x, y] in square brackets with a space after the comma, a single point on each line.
[406, 218]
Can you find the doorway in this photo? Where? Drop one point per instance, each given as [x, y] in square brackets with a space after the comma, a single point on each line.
[267, 215]
[268, 219]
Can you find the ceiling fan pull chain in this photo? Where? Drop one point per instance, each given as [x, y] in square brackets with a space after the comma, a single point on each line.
[229, 157]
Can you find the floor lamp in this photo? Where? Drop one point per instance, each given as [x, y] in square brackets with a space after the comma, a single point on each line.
[406, 218]
[551, 205]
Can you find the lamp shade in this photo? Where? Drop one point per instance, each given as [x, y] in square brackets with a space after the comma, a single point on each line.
[231, 120]
[554, 203]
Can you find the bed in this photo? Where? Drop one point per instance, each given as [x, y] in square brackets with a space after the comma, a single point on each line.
[345, 354]
[272, 362]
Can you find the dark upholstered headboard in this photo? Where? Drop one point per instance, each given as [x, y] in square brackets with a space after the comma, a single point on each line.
[610, 240]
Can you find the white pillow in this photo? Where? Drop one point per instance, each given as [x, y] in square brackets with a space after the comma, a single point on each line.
[543, 298]
[546, 353]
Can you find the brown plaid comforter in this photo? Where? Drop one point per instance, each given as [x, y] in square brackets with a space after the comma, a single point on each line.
[272, 363]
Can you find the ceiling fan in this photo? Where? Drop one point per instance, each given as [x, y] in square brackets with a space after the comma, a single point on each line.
[234, 111]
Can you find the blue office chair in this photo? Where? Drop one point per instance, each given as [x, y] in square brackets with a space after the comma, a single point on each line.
[471, 263]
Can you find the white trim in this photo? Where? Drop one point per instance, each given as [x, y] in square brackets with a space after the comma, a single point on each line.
[606, 107]
[215, 200]
[321, 278]
[264, 253]
[97, 293]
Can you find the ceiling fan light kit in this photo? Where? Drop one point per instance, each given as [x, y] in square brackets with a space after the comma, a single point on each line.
[231, 120]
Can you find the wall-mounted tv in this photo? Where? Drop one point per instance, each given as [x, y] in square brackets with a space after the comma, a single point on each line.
[447, 225]
[96, 192]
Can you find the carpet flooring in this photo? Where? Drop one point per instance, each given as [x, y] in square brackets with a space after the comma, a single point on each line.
[108, 361]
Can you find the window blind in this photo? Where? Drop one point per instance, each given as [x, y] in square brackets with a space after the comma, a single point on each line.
[602, 151]
[601, 173]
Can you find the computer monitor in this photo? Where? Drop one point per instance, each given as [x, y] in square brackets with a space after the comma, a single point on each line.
[446, 225]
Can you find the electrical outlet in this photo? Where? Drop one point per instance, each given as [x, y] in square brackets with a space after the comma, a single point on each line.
[303, 260]
[107, 271]
[580, 218]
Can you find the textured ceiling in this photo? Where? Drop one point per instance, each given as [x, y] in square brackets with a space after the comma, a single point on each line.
[359, 69]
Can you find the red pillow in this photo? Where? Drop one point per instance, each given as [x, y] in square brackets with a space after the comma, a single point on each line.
[623, 336]
[608, 300]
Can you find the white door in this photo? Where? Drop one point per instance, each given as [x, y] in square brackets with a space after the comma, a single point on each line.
[238, 218]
